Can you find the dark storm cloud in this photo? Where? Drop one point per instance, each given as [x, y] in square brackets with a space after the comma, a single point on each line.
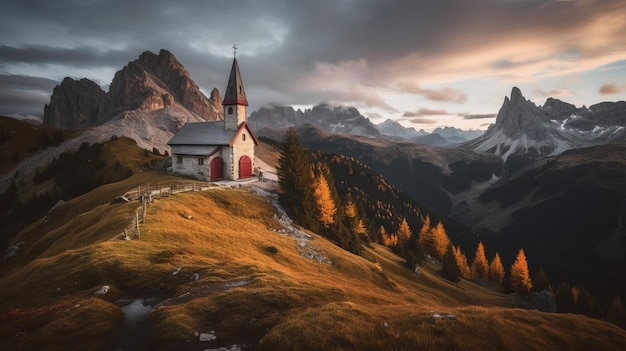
[19, 82]
[24, 95]
[301, 52]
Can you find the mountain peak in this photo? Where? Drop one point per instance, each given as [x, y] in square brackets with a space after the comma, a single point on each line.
[516, 96]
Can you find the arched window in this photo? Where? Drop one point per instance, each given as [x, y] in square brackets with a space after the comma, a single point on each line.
[243, 137]
[230, 110]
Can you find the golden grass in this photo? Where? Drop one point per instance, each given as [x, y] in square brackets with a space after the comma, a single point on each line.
[250, 294]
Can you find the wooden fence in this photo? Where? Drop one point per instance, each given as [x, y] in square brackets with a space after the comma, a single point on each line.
[163, 190]
[145, 194]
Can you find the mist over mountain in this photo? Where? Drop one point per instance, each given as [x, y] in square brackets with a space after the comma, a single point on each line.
[393, 128]
[334, 119]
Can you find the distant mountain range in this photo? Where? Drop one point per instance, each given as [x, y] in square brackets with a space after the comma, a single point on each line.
[348, 120]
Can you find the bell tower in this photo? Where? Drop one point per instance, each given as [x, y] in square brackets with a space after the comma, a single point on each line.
[234, 101]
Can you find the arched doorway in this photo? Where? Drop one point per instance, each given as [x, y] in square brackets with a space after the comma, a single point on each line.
[245, 167]
[217, 169]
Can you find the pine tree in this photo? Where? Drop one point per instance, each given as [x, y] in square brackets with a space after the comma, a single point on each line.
[404, 232]
[616, 313]
[295, 180]
[496, 270]
[480, 267]
[564, 300]
[450, 269]
[520, 277]
[461, 262]
[541, 281]
[325, 205]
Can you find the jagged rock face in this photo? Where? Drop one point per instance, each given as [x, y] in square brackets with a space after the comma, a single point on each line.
[153, 82]
[334, 119]
[558, 109]
[74, 104]
[519, 116]
[150, 83]
[523, 128]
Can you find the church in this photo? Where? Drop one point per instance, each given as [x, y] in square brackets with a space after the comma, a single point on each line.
[220, 149]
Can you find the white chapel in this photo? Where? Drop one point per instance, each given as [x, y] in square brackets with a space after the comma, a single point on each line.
[220, 149]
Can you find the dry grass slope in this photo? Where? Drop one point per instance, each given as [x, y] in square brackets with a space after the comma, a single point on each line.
[253, 286]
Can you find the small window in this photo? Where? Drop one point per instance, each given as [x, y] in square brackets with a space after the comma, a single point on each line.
[230, 110]
[241, 90]
[243, 137]
[201, 161]
[179, 159]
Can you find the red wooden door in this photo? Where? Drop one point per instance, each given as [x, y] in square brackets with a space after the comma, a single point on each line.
[245, 167]
[217, 169]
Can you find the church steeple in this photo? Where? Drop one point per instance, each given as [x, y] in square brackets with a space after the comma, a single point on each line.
[235, 93]
[235, 100]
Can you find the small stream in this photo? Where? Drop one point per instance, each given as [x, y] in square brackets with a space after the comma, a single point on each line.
[134, 332]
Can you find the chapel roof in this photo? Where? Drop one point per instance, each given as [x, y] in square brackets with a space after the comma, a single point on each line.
[235, 93]
[203, 133]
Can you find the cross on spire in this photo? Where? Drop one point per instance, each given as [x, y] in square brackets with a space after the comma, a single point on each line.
[235, 50]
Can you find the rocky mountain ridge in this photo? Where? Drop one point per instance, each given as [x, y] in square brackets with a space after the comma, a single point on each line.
[348, 120]
[334, 119]
[150, 83]
[523, 128]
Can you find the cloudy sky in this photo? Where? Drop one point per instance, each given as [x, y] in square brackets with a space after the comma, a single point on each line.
[425, 63]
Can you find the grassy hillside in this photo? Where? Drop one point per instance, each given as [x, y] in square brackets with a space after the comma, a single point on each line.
[19, 139]
[253, 286]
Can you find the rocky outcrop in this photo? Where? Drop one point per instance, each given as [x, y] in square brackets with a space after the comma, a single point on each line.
[558, 109]
[519, 116]
[150, 83]
[74, 104]
[153, 82]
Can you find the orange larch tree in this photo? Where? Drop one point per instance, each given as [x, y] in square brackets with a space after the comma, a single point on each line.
[422, 236]
[520, 277]
[438, 241]
[325, 205]
[461, 262]
[480, 266]
[496, 270]
[404, 232]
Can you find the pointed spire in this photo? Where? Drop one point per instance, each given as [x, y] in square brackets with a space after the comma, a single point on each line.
[235, 93]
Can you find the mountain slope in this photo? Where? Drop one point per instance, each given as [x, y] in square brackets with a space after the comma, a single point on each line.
[567, 212]
[253, 287]
[426, 173]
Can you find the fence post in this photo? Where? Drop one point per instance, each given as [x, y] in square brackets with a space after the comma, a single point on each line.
[143, 218]
[138, 234]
